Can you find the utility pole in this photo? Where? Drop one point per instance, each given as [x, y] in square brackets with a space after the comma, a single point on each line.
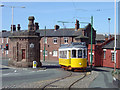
[109, 26]
[91, 42]
[115, 41]
[12, 12]
[44, 41]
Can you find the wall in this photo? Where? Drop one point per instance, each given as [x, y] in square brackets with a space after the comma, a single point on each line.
[108, 62]
[50, 46]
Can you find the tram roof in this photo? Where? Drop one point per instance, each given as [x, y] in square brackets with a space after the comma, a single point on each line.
[73, 45]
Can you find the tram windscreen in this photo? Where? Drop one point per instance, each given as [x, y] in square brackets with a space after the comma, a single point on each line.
[73, 53]
[79, 53]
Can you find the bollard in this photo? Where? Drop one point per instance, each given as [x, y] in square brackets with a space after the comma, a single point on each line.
[34, 64]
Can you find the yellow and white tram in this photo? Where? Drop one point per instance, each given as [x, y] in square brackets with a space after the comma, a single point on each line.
[73, 56]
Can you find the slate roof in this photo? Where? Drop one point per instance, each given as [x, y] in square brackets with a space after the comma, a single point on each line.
[100, 37]
[81, 36]
[110, 45]
[58, 33]
[5, 34]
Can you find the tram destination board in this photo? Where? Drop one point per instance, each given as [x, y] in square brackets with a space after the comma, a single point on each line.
[79, 43]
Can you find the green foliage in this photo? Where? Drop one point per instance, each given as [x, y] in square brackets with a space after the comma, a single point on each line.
[115, 72]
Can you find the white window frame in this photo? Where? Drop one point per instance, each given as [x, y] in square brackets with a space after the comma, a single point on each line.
[104, 54]
[66, 39]
[55, 38]
[2, 40]
[45, 40]
[90, 56]
[55, 53]
[46, 53]
[112, 56]
[7, 40]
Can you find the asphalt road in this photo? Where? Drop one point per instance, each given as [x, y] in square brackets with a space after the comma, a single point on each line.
[17, 76]
[104, 79]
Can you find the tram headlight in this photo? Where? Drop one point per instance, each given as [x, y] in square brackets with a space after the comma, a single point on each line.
[80, 63]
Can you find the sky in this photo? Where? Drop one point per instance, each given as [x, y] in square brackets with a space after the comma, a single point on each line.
[49, 13]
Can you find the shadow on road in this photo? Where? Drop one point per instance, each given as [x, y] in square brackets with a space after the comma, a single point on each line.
[3, 68]
[50, 66]
[100, 70]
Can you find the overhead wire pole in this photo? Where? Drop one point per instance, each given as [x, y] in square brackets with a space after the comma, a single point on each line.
[115, 40]
[12, 17]
[12, 12]
[109, 26]
[44, 42]
[91, 42]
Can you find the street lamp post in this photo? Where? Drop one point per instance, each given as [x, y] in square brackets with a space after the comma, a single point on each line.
[91, 43]
[12, 12]
[109, 26]
[115, 41]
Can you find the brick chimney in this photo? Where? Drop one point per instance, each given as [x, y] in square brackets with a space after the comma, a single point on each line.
[18, 27]
[14, 27]
[77, 25]
[31, 23]
[56, 27]
[106, 37]
[4, 31]
[36, 26]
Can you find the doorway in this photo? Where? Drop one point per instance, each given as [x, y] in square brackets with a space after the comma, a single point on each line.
[23, 53]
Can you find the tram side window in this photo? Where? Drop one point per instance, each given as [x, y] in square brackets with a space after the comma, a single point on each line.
[63, 54]
[73, 53]
[79, 53]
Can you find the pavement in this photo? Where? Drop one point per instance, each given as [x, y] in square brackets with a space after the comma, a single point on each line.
[104, 78]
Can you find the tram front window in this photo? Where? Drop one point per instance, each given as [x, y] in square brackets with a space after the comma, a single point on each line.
[84, 56]
[79, 53]
[73, 53]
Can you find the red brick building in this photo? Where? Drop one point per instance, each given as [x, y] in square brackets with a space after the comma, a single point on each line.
[18, 42]
[55, 37]
[103, 54]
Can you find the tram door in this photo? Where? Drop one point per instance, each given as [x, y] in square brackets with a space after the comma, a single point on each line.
[69, 56]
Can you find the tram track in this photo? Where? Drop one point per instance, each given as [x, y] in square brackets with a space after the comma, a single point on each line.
[69, 75]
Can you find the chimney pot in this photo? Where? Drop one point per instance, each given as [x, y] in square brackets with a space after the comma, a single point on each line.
[14, 27]
[18, 27]
[56, 27]
[4, 31]
[77, 25]
[36, 27]
[31, 23]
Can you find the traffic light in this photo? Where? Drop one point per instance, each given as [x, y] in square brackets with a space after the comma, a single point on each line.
[6, 46]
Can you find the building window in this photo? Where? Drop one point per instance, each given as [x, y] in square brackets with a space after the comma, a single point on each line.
[7, 40]
[45, 40]
[2, 40]
[104, 54]
[23, 53]
[55, 40]
[65, 40]
[112, 57]
[54, 53]
[46, 52]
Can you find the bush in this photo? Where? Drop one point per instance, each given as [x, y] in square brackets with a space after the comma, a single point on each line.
[115, 72]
